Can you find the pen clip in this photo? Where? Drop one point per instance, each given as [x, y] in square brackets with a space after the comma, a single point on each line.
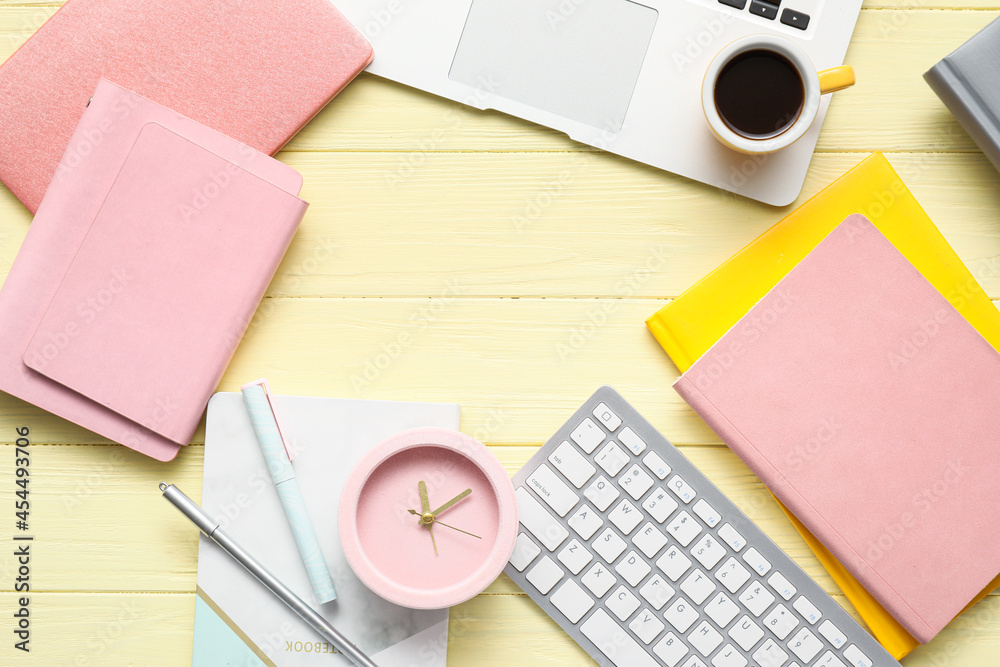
[274, 413]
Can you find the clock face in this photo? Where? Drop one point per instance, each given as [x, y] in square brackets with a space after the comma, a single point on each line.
[428, 518]
[399, 545]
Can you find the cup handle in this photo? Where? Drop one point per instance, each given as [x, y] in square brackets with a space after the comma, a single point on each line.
[836, 78]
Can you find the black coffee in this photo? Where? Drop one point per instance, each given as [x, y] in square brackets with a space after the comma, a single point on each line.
[759, 94]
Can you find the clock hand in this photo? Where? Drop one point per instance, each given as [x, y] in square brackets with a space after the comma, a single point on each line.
[451, 502]
[427, 518]
[458, 529]
[425, 504]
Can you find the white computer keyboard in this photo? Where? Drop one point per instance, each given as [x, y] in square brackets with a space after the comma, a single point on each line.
[644, 561]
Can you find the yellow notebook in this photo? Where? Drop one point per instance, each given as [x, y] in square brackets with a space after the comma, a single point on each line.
[689, 325]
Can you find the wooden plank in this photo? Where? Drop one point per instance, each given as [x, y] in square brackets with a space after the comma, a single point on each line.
[557, 224]
[519, 367]
[102, 629]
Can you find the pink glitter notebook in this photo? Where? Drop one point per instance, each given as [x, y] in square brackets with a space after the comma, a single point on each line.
[868, 405]
[256, 70]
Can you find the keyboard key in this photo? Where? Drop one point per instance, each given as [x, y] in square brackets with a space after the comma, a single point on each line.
[657, 592]
[602, 493]
[756, 598]
[856, 658]
[733, 575]
[673, 563]
[571, 463]
[746, 633]
[781, 621]
[670, 649]
[693, 661]
[575, 556]
[604, 415]
[729, 657]
[705, 638]
[625, 516]
[833, 634]
[829, 659]
[707, 513]
[635, 482]
[615, 642]
[805, 645]
[684, 528]
[649, 540]
[634, 443]
[698, 586]
[732, 538]
[795, 19]
[609, 545]
[763, 8]
[525, 551]
[646, 626]
[756, 561]
[599, 579]
[633, 568]
[572, 601]
[738, 4]
[807, 609]
[545, 575]
[588, 435]
[722, 610]
[550, 488]
[537, 520]
[660, 505]
[708, 551]
[585, 521]
[770, 655]
[656, 465]
[681, 489]
[681, 614]
[622, 603]
[612, 458]
[783, 587]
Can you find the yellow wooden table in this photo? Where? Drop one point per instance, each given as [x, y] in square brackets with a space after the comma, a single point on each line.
[493, 244]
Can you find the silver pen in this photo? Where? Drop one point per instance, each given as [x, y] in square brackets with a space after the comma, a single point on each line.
[210, 527]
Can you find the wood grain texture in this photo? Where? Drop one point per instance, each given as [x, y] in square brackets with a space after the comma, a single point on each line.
[457, 255]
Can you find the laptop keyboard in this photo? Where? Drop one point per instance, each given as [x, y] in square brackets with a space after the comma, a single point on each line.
[769, 9]
[644, 561]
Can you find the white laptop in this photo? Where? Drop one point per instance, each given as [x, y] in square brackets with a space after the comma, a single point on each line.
[619, 75]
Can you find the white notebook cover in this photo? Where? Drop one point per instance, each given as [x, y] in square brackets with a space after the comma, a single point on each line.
[237, 620]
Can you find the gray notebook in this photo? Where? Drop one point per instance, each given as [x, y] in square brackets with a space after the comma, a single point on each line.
[968, 82]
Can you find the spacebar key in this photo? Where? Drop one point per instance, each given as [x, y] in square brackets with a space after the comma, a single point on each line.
[615, 642]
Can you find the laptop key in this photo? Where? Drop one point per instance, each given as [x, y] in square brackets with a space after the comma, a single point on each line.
[768, 10]
[795, 19]
[738, 4]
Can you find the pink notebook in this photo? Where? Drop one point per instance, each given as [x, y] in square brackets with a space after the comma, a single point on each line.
[868, 405]
[256, 70]
[141, 270]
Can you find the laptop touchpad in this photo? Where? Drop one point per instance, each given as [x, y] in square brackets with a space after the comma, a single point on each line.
[576, 58]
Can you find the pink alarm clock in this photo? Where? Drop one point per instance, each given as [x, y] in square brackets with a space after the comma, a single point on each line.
[428, 518]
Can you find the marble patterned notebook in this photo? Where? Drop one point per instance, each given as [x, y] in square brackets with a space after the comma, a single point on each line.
[237, 620]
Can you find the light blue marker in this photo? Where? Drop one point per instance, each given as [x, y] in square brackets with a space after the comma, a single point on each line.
[278, 457]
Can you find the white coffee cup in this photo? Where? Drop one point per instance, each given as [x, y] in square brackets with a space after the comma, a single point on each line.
[814, 85]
